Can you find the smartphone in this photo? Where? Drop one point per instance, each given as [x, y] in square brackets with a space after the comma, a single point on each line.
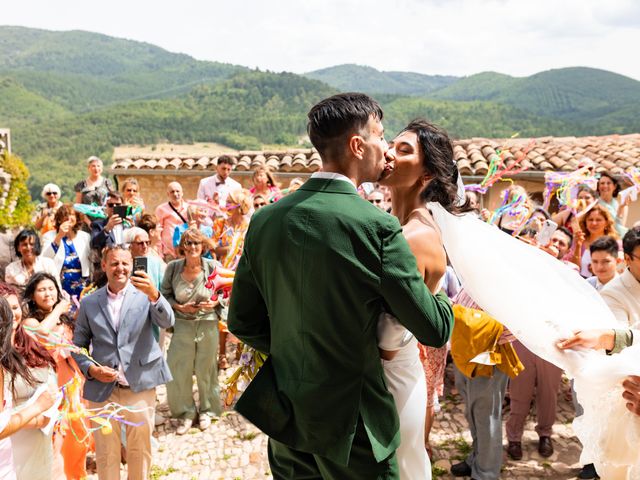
[121, 211]
[543, 237]
[140, 263]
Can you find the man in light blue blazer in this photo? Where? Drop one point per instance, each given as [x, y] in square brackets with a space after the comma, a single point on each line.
[116, 323]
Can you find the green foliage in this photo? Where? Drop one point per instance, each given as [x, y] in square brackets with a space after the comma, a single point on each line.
[17, 208]
[350, 78]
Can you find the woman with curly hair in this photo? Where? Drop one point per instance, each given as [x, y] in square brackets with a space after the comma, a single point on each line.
[69, 247]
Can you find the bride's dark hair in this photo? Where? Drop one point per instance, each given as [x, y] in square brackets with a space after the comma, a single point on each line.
[438, 162]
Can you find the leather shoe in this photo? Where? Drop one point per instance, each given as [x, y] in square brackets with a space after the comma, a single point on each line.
[514, 450]
[588, 472]
[461, 469]
[545, 447]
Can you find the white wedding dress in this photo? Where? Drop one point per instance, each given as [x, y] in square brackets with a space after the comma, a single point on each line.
[406, 382]
[541, 301]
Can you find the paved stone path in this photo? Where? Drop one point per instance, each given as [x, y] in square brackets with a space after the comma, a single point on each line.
[233, 449]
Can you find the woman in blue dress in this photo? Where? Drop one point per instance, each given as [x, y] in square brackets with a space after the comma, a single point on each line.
[69, 248]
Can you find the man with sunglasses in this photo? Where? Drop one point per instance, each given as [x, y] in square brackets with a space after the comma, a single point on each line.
[43, 218]
[103, 235]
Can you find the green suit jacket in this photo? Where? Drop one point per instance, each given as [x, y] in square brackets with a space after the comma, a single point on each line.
[318, 268]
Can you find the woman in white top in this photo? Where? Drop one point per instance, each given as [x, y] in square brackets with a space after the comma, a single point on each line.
[27, 248]
[423, 171]
[69, 248]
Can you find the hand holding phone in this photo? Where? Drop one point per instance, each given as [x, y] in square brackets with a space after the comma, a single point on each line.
[543, 237]
[140, 264]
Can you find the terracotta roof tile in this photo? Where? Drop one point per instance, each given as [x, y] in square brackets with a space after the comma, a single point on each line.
[612, 152]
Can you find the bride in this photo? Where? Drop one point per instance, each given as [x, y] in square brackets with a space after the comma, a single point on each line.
[424, 171]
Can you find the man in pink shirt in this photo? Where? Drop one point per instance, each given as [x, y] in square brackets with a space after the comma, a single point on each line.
[169, 215]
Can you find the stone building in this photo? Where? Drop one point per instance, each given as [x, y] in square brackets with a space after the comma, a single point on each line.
[615, 153]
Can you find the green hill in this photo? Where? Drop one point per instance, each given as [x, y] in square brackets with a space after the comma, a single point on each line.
[84, 70]
[577, 93]
[18, 103]
[481, 86]
[471, 119]
[350, 77]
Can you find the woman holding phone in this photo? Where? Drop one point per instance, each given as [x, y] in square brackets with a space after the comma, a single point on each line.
[194, 344]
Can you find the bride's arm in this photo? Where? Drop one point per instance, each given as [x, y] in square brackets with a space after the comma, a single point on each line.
[426, 245]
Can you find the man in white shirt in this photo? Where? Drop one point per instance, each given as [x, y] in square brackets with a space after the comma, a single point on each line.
[219, 183]
[622, 294]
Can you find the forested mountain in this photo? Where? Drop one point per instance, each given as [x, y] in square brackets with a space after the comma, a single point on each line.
[577, 93]
[84, 70]
[68, 95]
[357, 78]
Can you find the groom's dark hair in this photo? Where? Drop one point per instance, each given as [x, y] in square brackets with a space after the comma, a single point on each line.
[333, 118]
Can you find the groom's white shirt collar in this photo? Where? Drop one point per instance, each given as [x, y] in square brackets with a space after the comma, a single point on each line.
[333, 176]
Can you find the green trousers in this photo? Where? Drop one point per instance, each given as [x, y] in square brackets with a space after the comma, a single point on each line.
[289, 464]
[194, 349]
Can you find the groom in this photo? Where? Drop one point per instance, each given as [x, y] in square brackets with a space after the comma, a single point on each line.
[318, 268]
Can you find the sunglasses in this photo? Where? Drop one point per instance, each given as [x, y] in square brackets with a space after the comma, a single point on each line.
[375, 201]
[192, 244]
[142, 242]
[258, 205]
[131, 190]
[51, 193]
[111, 205]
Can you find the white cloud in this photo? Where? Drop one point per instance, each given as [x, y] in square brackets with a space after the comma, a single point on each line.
[458, 37]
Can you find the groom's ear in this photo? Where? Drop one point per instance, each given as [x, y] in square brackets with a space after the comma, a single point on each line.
[356, 146]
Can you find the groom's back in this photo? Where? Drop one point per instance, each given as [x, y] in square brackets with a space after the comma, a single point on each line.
[315, 257]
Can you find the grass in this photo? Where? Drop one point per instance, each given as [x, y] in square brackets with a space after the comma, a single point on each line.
[462, 446]
[193, 452]
[226, 457]
[438, 472]
[157, 472]
[248, 436]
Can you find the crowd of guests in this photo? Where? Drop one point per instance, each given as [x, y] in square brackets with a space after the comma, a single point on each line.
[124, 281]
[121, 282]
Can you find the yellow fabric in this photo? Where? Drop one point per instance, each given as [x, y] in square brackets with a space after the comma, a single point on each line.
[474, 332]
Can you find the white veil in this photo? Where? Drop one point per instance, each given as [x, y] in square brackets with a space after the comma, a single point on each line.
[542, 301]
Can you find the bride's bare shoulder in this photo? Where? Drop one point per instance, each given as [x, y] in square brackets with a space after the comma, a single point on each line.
[425, 243]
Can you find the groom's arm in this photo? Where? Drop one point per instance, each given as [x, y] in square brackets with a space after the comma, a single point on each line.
[429, 317]
[248, 317]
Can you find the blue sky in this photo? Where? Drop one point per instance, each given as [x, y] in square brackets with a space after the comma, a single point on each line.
[455, 37]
